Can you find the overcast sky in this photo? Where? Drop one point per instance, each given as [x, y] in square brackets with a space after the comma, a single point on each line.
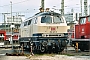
[32, 6]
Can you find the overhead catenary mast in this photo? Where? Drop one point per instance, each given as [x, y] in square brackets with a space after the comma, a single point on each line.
[62, 7]
[81, 6]
[85, 7]
[89, 9]
[42, 4]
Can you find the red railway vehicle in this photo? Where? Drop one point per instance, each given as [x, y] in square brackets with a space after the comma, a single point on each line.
[2, 37]
[15, 38]
[82, 33]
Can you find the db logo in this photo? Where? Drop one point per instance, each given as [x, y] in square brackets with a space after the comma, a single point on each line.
[53, 29]
[82, 30]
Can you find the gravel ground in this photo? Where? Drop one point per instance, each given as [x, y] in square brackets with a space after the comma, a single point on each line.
[59, 57]
[44, 57]
[13, 58]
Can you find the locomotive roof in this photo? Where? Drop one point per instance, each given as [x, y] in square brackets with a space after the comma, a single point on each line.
[85, 16]
[47, 13]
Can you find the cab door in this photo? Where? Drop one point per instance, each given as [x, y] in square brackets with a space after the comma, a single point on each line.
[82, 27]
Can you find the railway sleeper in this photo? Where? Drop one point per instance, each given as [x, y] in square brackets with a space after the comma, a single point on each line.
[14, 54]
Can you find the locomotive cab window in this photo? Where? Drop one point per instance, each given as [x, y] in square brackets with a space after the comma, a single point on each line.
[25, 23]
[57, 19]
[22, 24]
[46, 19]
[29, 22]
[35, 20]
[89, 19]
[82, 20]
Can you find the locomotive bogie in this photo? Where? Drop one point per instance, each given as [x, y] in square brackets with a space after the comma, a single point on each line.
[44, 44]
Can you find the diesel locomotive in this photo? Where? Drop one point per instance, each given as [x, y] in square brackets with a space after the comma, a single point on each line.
[45, 32]
[81, 34]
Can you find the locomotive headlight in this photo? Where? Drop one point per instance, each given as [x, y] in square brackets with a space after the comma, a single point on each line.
[43, 35]
[61, 35]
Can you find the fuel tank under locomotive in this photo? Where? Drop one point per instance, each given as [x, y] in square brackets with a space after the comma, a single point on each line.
[44, 44]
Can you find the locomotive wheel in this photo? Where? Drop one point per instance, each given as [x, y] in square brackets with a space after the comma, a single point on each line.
[42, 50]
[64, 43]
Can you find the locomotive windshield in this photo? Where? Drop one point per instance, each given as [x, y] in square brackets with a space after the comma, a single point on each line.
[82, 20]
[49, 19]
[46, 19]
[57, 19]
[89, 19]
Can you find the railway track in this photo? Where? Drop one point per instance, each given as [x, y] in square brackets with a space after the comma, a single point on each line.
[18, 52]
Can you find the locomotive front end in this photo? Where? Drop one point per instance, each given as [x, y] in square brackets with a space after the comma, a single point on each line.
[51, 37]
[51, 33]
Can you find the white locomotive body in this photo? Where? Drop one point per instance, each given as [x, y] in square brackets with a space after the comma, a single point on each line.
[43, 30]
